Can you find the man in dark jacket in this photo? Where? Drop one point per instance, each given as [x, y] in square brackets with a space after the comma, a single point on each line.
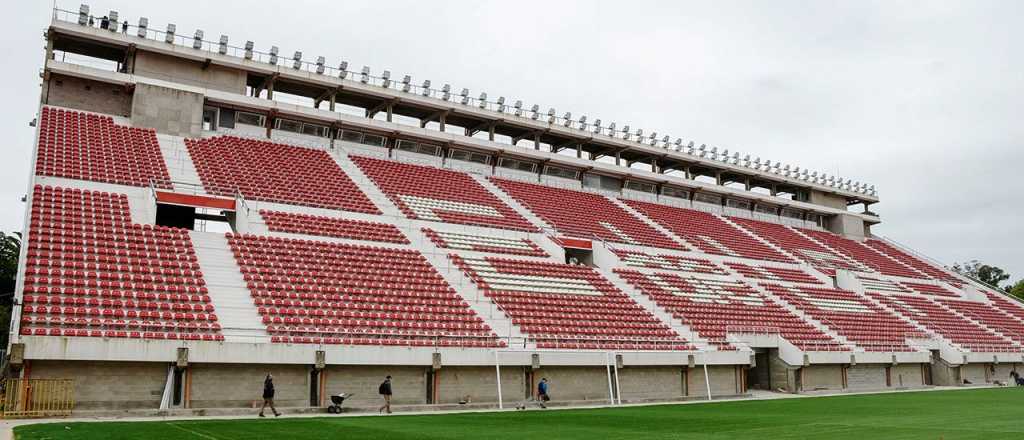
[542, 392]
[385, 390]
[268, 395]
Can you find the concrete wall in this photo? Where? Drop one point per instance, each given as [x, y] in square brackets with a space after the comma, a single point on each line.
[943, 374]
[976, 373]
[408, 383]
[866, 377]
[822, 377]
[643, 383]
[575, 383]
[82, 94]
[847, 225]
[829, 200]
[189, 72]
[908, 375]
[108, 385]
[168, 111]
[724, 381]
[1002, 372]
[238, 385]
[782, 375]
[479, 384]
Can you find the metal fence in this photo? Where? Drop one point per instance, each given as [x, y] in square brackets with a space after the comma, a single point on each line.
[37, 398]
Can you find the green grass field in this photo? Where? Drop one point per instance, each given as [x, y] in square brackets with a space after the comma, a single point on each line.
[970, 414]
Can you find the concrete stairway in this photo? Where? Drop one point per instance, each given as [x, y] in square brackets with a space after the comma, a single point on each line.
[184, 177]
[231, 299]
[651, 223]
[437, 257]
[512, 203]
[659, 312]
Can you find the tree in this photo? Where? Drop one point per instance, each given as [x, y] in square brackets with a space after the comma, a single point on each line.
[990, 275]
[1017, 289]
[10, 249]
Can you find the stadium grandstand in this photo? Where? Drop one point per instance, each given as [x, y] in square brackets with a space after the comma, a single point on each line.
[204, 211]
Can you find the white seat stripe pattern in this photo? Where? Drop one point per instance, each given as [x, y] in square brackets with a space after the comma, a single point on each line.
[529, 283]
[425, 208]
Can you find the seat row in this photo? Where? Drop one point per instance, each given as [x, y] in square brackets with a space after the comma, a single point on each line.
[484, 243]
[332, 227]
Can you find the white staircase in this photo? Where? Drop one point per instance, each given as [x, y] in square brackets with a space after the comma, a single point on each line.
[437, 257]
[184, 177]
[511, 202]
[651, 223]
[232, 302]
[366, 185]
[659, 312]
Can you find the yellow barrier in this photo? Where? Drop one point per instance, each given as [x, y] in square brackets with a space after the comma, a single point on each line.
[37, 398]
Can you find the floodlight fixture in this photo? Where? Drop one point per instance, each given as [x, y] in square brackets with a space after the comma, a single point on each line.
[465, 96]
[501, 104]
[611, 129]
[664, 140]
[273, 55]
[297, 59]
[535, 112]
[343, 69]
[406, 83]
[551, 115]
[364, 75]
[446, 92]
[83, 14]
[597, 126]
[169, 34]
[582, 122]
[113, 21]
[386, 76]
[425, 87]
[248, 49]
[143, 27]
[679, 144]
[567, 119]
[519, 108]
[320, 67]
[197, 39]
[625, 132]
[222, 45]
[482, 99]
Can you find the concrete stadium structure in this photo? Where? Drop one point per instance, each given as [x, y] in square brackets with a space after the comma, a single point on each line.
[200, 214]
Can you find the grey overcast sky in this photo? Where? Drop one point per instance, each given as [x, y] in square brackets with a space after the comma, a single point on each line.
[924, 99]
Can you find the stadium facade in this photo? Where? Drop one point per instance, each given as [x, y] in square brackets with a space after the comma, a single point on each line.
[201, 213]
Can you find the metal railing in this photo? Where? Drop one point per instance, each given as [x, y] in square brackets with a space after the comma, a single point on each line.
[37, 398]
[447, 93]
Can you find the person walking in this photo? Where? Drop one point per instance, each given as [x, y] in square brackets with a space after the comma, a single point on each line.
[542, 392]
[268, 395]
[385, 391]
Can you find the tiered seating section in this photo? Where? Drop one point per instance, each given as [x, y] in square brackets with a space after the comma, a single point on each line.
[707, 232]
[796, 244]
[332, 227]
[862, 254]
[429, 193]
[988, 316]
[773, 273]
[945, 323]
[565, 306]
[712, 307]
[911, 261]
[273, 172]
[1006, 305]
[849, 315]
[91, 272]
[669, 262]
[584, 215]
[483, 243]
[331, 293]
[86, 146]
[930, 289]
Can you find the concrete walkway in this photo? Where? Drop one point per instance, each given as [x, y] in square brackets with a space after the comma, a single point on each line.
[7, 426]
